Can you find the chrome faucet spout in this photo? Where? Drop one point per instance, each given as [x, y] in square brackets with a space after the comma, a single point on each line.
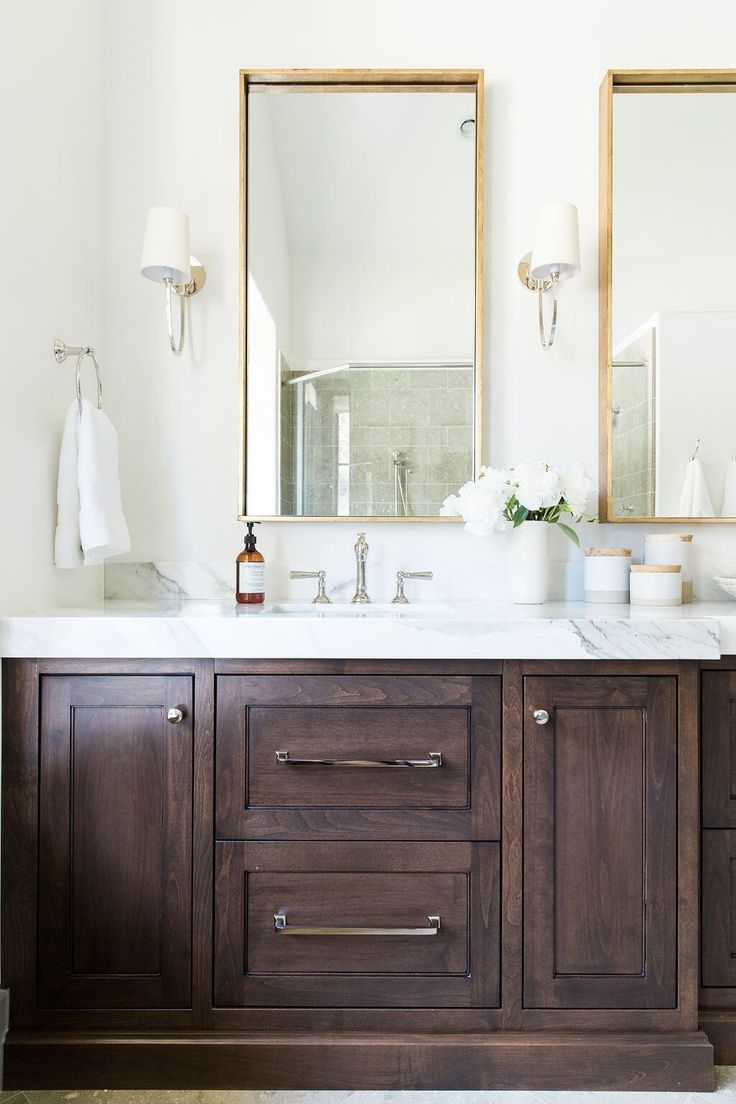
[361, 555]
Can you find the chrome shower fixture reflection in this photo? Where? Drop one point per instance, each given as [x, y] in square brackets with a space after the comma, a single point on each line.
[401, 484]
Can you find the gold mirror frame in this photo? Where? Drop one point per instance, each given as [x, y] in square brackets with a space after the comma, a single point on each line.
[618, 81]
[366, 80]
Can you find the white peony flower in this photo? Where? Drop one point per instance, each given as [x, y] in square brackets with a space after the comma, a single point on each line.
[481, 503]
[576, 488]
[449, 507]
[537, 485]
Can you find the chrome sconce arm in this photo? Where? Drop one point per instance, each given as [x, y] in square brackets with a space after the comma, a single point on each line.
[541, 286]
[182, 291]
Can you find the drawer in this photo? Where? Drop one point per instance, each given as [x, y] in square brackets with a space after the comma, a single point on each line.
[358, 757]
[354, 925]
[718, 737]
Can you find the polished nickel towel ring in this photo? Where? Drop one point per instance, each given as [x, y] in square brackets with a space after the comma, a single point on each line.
[62, 351]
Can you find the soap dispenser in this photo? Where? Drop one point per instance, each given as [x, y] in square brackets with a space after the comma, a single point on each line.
[250, 587]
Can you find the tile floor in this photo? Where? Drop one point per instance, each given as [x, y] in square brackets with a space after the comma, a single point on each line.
[725, 1092]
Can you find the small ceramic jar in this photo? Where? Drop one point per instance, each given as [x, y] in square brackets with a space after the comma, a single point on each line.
[671, 548]
[656, 585]
[607, 574]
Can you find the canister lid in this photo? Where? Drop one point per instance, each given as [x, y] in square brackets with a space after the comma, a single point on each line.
[669, 537]
[607, 551]
[651, 568]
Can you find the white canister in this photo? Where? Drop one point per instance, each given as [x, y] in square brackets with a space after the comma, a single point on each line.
[656, 585]
[607, 574]
[670, 548]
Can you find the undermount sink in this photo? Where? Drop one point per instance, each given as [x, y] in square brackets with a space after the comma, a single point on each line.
[374, 609]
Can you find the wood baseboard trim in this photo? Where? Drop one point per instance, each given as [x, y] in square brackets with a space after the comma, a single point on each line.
[720, 1027]
[652, 1062]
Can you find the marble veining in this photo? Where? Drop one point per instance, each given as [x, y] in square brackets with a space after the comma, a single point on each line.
[469, 630]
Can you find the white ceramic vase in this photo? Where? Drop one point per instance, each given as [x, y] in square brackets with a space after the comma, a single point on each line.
[528, 557]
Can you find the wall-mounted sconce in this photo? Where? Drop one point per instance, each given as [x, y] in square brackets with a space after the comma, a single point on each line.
[555, 257]
[166, 258]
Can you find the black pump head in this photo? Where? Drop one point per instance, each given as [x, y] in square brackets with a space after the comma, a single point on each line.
[250, 540]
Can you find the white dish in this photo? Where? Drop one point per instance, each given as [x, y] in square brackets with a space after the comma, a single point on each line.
[726, 583]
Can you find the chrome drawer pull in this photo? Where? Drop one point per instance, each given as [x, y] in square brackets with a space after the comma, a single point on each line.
[434, 760]
[280, 924]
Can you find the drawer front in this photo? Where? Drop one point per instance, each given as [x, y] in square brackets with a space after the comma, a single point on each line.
[719, 909]
[380, 757]
[352, 925]
[719, 748]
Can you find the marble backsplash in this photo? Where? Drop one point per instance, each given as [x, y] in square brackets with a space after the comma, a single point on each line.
[216, 580]
[483, 578]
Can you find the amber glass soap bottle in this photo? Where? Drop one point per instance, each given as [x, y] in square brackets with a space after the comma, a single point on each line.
[250, 587]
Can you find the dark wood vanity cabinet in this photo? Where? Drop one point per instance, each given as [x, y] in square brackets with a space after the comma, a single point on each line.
[379, 874]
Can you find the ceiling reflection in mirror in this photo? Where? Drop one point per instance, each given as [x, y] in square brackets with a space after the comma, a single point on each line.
[673, 367]
[360, 300]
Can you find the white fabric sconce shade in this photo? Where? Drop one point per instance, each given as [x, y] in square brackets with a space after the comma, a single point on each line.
[165, 258]
[557, 243]
[166, 246]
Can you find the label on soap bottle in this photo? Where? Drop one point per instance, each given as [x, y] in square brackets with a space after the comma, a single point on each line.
[251, 578]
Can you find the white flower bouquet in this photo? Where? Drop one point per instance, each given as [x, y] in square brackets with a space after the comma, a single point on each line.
[504, 498]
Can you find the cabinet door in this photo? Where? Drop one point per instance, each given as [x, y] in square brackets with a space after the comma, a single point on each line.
[329, 757]
[600, 842]
[115, 809]
[719, 909]
[719, 749]
[357, 925]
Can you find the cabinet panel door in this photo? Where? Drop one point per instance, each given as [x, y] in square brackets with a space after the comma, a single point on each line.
[719, 748]
[600, 842]
[358, 723]
[115, 851]
[718, 936]
[266, 894]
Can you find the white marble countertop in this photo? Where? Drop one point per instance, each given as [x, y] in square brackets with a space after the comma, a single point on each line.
[462, 630]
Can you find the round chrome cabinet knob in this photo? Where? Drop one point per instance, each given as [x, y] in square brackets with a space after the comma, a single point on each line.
[175, 716]
[541, 716]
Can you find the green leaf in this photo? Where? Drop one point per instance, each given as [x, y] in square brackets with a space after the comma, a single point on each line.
[570, 533]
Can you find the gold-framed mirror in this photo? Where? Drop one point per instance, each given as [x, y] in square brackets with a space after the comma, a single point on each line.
[667, 307]
[361, 243]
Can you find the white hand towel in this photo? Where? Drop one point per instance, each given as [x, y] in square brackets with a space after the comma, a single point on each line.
[102, 526]
[695, 500]
[67, 541]
[728, 509]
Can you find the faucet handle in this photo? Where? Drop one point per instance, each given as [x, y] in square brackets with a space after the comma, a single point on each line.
[401, 599]
[321, 575]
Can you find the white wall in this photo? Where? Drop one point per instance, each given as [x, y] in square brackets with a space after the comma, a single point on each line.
[172, 137]
[51, 96]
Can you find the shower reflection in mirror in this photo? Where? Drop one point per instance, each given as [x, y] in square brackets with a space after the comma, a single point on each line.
[355, 439]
